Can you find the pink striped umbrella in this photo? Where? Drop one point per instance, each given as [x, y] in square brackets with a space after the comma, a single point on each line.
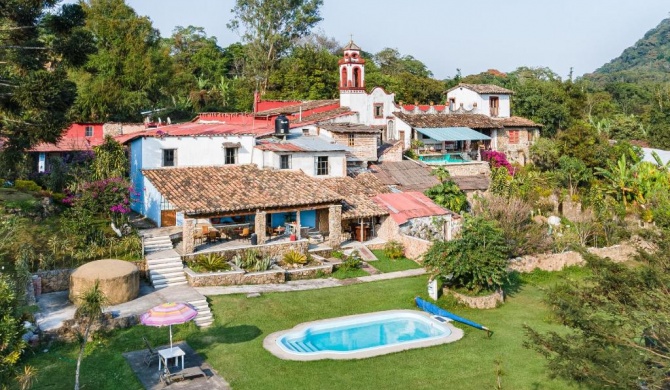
[168, 314]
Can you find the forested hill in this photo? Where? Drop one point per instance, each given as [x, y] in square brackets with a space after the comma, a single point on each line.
[647, 60]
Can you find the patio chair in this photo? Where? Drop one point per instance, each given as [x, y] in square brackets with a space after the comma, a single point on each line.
[246, 233]
[168, 377]
[151, 353]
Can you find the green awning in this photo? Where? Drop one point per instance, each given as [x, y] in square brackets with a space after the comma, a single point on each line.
[453, 134]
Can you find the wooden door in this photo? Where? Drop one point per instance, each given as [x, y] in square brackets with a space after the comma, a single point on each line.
[494, 104]
[168, 218]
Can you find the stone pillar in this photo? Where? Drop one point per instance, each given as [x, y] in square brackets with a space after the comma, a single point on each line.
[188, 241]
[335, 226]
[297, 224]
[261, 218]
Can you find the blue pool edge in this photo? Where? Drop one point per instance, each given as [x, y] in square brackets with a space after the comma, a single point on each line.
[270, 342]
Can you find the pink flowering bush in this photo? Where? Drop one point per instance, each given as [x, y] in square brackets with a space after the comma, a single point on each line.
[497, 160]
[109, 197]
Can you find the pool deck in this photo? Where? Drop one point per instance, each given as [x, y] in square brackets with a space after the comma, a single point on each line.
[270, 342]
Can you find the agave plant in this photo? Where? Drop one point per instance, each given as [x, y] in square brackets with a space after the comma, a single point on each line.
[294, 257]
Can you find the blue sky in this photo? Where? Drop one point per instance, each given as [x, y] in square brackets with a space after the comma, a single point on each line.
[447, 34]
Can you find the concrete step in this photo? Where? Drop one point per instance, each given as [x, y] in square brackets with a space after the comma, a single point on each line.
[166, 260]
[154, 250]
[157, 247]
[170, 276]
[159, 286]
[166, 268]
[157, 239]
[207, 324]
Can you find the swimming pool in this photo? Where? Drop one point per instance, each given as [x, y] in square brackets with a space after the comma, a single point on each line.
[448, 158]
[361, 336]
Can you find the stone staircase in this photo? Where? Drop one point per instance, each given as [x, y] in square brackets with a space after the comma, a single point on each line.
[156, 244]
[204, 318]
[165, 269]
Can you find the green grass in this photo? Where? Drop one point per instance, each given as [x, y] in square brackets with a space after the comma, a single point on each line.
[341, 273]
[233, 345]
[384, 264]
[13, 195]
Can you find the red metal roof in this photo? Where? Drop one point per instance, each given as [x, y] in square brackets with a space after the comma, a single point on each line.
[404, 206]
[74, 139]
[247, 126]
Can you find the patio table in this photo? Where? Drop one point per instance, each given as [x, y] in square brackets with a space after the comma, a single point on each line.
[169, 353]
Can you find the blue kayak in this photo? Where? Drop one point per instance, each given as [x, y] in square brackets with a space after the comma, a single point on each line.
[438, 311]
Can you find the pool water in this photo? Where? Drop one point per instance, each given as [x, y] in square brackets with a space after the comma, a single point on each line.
[372, 332]
[452, 158]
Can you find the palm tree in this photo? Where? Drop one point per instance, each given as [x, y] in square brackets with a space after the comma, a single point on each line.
[90, 306]
[620, 179]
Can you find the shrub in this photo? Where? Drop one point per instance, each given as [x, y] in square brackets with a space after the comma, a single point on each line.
[497, 160]
[394, 250]
[352, 261]
[294, 257]
[252, 260]
[27, 185]
[475, 261]
[337, 254]
[210, 262]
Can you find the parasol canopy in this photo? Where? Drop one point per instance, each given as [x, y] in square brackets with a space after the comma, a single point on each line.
[168, 314]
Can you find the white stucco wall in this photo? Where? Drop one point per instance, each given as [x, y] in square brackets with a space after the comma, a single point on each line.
[194, 151]
[468, 97]
[364, 103]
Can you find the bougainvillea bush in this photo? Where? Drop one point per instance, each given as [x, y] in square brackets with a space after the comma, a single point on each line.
[109, 197]
[497, 159]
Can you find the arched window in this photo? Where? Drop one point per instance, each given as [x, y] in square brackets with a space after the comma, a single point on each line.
[343, 79]
[357, 77]
[390, 130]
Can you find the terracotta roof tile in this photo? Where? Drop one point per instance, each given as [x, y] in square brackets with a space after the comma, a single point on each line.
[350, 128]
[516, 121]
[472, 183]
[213, 190]
[68, 145]
[372, 183]
[320, 116]
[204, 129]
[357, 198]
[406, 175]
[296, 108]
[431, 121]
[484, 88]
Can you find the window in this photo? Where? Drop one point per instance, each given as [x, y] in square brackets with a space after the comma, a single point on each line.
[379, 110]
[231, 156]
[351, 139]
[513, 136]
[169, 157]
[89, 131]
[321, 165]
[494, 103]
[305, 131]
[452, 103]
[285, 161]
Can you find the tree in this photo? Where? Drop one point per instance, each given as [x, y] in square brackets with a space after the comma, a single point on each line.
[90, 305]
[476, 261]
[110, 160]
[572, 172]
[544, 153]
[582, 141]
[618, 320]
[130, 70]
[37, 49]
[11, 329]
[268, 28]
[522, 235]
[620, 181]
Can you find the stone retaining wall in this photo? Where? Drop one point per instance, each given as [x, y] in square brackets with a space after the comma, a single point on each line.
[469, 169]
[308, 272]
[55, 280]
[415, 248]
[71, 329]
[234, 277]
[558, 261]
[274, 250]
[485, 302]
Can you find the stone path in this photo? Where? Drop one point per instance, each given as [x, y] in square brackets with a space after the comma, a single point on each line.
[149, 376]
[303, 285]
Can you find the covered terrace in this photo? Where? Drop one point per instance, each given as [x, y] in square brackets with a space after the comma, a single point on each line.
[243, 204]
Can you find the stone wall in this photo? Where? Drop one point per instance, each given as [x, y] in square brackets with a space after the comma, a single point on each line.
[71, 329]
[558, 261]
[365, 145]
[236, 277]
[484, 302]
[469, 169]
[55, 280]
[275, 250]
[518, 152]
[394, 153]
[415, 248]
[308, 272]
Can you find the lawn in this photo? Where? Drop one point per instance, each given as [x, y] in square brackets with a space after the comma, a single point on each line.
[384, 264]
[233, 345]
[342, 273]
